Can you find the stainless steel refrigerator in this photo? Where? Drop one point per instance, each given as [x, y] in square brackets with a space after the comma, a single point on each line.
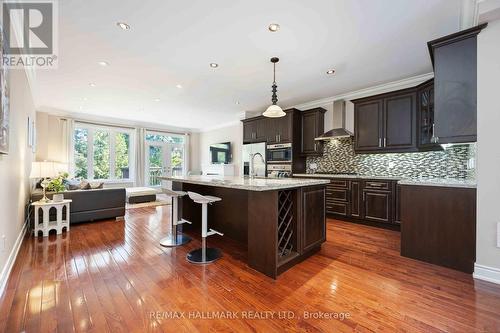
[258, 152]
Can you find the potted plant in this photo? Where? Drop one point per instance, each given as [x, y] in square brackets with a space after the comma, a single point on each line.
[57, 185]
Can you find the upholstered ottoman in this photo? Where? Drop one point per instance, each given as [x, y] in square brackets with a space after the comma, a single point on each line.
[141, 194]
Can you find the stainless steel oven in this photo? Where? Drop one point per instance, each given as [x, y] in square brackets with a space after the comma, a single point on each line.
[279, 153]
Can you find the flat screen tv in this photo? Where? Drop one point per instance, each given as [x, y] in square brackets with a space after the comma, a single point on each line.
[220, 153]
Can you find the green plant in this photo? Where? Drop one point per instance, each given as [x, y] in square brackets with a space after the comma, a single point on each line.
[57, 184]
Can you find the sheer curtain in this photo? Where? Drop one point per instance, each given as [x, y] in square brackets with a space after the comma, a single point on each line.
[140, 157]
[67, 142]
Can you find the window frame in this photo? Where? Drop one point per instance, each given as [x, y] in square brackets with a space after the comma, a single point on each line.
[113, 131]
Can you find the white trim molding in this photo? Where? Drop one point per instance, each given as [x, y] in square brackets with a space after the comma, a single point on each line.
[375, 90]
[486, 273]
[4, 276]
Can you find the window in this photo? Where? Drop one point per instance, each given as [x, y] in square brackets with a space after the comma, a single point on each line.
[104, 153]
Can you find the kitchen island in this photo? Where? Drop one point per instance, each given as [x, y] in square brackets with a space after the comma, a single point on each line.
[281, 221]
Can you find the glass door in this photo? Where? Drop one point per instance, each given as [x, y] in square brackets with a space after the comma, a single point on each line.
[163, 159]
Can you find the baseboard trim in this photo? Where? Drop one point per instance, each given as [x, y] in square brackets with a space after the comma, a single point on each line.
[4, 276]
[486, 273]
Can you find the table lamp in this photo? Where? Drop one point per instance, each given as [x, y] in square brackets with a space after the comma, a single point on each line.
[44, 170]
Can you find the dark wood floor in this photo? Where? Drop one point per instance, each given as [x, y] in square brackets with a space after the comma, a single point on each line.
[113, 276]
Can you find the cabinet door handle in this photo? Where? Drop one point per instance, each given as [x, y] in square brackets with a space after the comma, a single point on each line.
[279, 137]
[276, 138]
[380, 142]
[385, 142]
[315, 146]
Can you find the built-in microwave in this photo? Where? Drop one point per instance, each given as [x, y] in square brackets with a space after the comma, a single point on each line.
[279, 153]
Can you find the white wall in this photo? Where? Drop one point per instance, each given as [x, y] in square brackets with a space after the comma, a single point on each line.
[49, 137]
[233, 133]
[488, 152]
[15, 167]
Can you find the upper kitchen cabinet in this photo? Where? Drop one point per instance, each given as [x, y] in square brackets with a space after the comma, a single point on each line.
[368, 117]
[425, 117]
[455, 86]
[312, 126]
[386, 122]
[270, 130]
[254, 130]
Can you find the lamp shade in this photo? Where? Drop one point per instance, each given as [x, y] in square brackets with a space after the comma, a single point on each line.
[45, 169]
[274, 111]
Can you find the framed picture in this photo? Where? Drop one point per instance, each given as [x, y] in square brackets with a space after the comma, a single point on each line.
[4, 100]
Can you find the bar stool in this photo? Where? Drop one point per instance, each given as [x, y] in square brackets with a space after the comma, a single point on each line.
[175, 238]
[204, 255]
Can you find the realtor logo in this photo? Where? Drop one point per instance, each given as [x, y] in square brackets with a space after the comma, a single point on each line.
[29, 31]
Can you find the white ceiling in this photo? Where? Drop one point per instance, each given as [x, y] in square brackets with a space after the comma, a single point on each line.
[367, 42]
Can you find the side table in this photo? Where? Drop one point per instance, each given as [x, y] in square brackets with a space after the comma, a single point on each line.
[46, 224]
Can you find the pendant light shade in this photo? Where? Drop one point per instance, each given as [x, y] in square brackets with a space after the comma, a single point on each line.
[274, 110]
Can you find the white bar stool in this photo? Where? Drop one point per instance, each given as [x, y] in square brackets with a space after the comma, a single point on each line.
[204, 255]
[175, 238]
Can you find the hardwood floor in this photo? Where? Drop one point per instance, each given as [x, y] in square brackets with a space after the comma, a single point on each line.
[114, 276]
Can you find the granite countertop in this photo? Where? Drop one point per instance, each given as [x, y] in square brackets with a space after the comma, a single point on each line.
[240, 183]
[333, 175]
[444, 182]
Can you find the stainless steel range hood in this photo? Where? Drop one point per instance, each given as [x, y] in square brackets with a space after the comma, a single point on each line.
[339, 112]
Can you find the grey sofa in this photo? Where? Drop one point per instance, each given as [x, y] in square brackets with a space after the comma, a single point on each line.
[91, 205]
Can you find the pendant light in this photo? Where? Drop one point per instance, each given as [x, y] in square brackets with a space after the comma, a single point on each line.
[274, 111]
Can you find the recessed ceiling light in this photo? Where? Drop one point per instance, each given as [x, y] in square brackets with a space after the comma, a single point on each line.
[123, 25]
[156, 100]
[179, 86]
[214, 65]
[273, 27]
[92, 84]
[103, 63]
[331, 71]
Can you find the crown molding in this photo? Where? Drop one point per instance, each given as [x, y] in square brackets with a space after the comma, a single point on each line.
[375, 90]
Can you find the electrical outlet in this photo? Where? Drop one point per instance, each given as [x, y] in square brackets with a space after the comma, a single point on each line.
[498, 234]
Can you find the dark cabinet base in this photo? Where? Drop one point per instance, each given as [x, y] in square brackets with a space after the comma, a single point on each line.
[280, 228]
[438, 225]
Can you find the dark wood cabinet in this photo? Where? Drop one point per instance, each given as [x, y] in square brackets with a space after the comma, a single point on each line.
[397, 205]
[371, 200]
[400, 122]
[312, 126]
[314, 227]
[377, 206]
[255, 130]
[425, 117]
[368, 117]
[285, 129]
[355, 196]
[270, 130]
[386, 122]
[455, 86]
[438, 225]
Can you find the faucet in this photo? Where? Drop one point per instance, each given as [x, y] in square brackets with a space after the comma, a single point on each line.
[252, 156]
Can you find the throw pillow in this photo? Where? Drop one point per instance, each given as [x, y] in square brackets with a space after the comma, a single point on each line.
[96, 186]
[73, 184]
[84, 185]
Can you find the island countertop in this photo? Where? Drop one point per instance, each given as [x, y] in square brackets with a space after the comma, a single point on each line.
[255, 184]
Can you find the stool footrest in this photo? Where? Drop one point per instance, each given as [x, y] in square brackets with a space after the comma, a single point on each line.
[181, 221]
[214, 232]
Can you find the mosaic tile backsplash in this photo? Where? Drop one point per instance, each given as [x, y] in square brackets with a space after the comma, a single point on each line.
[457, 161]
